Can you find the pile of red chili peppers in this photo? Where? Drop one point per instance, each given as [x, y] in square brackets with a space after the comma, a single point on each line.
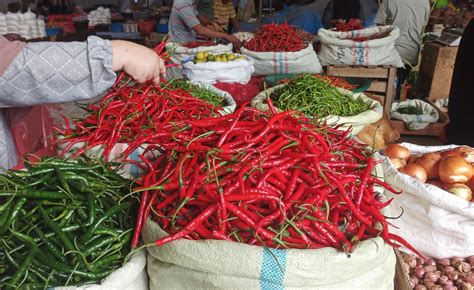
[265, 178]
[194, 44]
[352, 24]
[278, 37]
[136, 114]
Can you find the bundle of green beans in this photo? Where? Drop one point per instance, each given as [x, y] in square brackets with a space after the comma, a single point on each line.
[410, 110]
[63, 223]
[315, 97]
[198, 92]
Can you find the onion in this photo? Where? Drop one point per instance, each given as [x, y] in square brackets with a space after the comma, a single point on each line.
[469, 277]
[413, 158]
[431, 262]
[456, 260]
[464, 152]
[413, 282]
[430, 162]
[419, 272]
[453, 169]
[443, 279]
[444, 262]
[448, 269]
[463, 267]
[420, 287]
[453, 276]
[460, 190]
[415, 171]
[430, 268]
[397, 151]
[398, 163]
[450, 287]
[471, 260]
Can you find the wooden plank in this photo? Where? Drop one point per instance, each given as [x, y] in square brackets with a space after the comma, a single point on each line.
[390, 94]
[434, 129]
[378, 86]
[358, 72]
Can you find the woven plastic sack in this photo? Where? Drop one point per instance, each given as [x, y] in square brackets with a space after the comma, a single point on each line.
[269, 63]
[435, 222]
[179, 53]
[132, 276]
[357, 122]
[338, 47]
[415, 122]
[236, 71]
[213, 264]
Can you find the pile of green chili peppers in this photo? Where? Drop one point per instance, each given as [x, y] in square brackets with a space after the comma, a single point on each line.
[63, 223]
[314, 97]
[198, 92]
[410, 110]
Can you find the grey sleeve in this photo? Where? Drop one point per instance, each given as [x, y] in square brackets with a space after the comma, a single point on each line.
[49, 72]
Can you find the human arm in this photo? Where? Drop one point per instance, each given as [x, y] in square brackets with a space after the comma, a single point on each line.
[204, 31]
[72, 71]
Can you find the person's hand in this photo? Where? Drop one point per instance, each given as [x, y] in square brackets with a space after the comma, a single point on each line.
[140, 62]
[14, 37]
[234, 40]
[217, 27]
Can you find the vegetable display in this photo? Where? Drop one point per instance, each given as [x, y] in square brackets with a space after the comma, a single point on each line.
[410, 110]
[196, 91]
[333, 81]
[278, 37]
[195, 44]
[444, 274]
[314, 96]
[136, 115]
[450, 170]
[204, 56]
[269, 179]
[352, 24]
[62, 223]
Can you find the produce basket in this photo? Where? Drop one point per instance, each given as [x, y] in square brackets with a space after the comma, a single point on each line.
[236, 71]
[213, 264]
[356, 122]
[342, 47]
[434, 221]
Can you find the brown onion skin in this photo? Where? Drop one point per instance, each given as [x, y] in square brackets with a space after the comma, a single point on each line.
[471, 260]
[397, 151]
[453, 169]
[430, 162]
[420, 287]
[413, 282]
[415, 171]
[464, 152]
[398, 163]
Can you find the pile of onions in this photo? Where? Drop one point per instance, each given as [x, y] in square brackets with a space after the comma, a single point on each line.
[444, 274]
[450, 170]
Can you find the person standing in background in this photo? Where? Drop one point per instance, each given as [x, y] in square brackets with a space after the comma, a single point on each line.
[410, 16]
[223, 12]
[184, 24]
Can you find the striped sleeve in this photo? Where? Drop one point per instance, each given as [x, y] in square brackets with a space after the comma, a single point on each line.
[187, 14]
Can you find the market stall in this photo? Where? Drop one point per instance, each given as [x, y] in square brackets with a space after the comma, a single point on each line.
[246, 167]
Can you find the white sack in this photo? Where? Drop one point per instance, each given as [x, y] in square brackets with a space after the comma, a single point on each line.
[236, 71]
[415, 122]
[269, 63]
[337, 48]
[358, 122]
[132, 276]
[179, 53]
[214, 264]
[435, 222]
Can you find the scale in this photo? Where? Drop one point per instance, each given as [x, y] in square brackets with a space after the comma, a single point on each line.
[451, 37]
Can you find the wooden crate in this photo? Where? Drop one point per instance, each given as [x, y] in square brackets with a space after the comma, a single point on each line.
[383, 80]
[436, 70]
[434, 129]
